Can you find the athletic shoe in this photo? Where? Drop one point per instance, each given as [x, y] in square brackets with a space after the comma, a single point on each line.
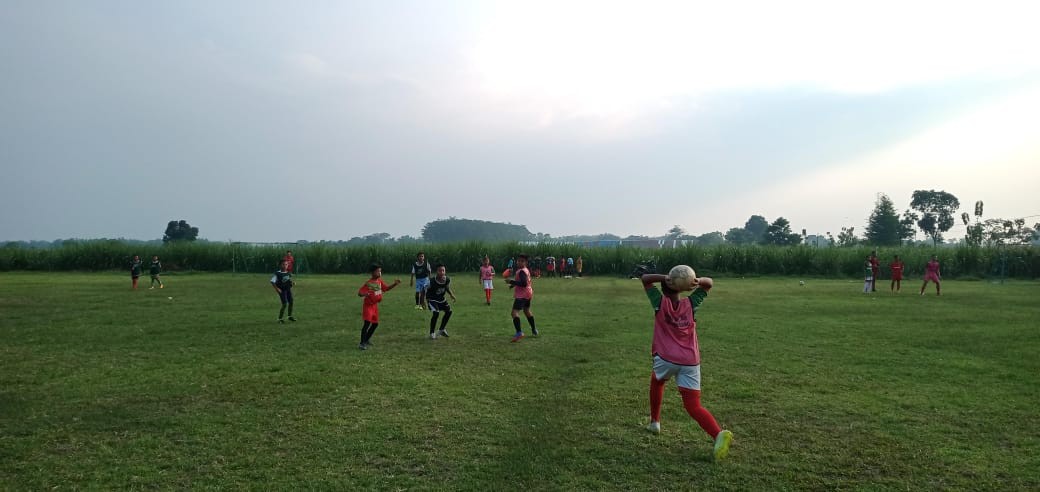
[654, 427]
[722, 444]
[362, 346]
[161, 286]
[518, 336]
[292, 318]
[534, 331]
[418, 307]
[444, 333]
[281, 321]
[433, 336]
[150, 288]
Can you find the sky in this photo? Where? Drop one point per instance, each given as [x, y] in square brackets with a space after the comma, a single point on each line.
[281, 121]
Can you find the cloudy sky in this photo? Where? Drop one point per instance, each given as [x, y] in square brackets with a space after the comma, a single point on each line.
[278, 121]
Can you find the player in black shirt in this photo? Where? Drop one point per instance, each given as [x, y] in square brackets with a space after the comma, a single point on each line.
[135, 270]
[155, 270]
[421, 279]
[439, 286]
[283, 283]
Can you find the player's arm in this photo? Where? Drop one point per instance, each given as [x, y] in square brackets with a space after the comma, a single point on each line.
[521, 280]
[274, 283]
[704, 284]
[391, 286]
[649, 279]
[452, 294]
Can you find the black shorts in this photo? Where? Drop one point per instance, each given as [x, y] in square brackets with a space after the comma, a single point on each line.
[439, 306]
[521, 304]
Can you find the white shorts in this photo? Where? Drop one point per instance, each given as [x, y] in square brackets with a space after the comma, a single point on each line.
[488, 284]
[685, 376]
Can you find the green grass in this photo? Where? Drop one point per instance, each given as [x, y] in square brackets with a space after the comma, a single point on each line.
[823, 386]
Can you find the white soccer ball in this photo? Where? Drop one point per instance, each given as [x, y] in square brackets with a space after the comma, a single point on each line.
[801, 282]
[681, 277]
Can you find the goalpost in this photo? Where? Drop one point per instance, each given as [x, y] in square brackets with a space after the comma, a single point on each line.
[254, 257]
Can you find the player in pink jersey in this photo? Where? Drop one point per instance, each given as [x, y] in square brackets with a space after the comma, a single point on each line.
[931, 273]
[487, 278]
[676, 353]
[523, 292]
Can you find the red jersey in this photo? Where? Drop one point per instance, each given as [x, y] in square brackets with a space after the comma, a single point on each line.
[372, 291]
[291, 261]
[897, 270]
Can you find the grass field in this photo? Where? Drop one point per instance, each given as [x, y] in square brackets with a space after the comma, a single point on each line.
[824, 387]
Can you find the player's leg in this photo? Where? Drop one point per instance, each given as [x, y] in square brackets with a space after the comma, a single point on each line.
[937, 286]
[134, 280]
[433, 321]
[289, 299]
[515, 313]
[530, 318]
[444, 321]
[371, 331]
[364, 332]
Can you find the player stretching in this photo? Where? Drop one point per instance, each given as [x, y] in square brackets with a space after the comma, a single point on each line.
[931, 273]
[522, 294]
[676, 354]
[283, 283]
[439, 286]
[372, 292]
[487, 279]
[421, 279]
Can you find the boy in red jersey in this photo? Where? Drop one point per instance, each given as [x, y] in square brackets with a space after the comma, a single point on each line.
[288, 258]
[135, 271]
[931, 273]
[372, 292]
[897, 273]
[677, 353]
[522, 294]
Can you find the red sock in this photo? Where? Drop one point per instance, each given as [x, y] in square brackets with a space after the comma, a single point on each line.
[656, 396]
[487, 294]
[691, 399]
[135, 283]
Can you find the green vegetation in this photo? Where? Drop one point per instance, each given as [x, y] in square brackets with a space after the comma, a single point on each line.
[742, 260]
[824, 387]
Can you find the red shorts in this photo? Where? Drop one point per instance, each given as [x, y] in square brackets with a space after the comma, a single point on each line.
[897, 276]
[370, 313]
[931, 276]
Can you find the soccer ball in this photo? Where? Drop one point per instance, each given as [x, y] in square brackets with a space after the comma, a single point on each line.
[801, 282]
[680, 278]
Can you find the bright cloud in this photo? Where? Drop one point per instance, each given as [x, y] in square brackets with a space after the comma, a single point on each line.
[558, 60]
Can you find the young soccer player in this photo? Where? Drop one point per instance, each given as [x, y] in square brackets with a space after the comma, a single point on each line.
[372, 292]
[677, 354]
[868, 276]
[155, 270]
[487, 278]
[522, 294]
[578, 265]
[439, 286]
[931, 273]
[421, 279]
[283, 283]
[897, 273]
[289, 258]
[875, 270]
[135, 270]
[550, 266]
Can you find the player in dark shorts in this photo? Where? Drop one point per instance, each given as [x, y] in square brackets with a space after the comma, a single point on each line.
[283, 283]
[439, 286]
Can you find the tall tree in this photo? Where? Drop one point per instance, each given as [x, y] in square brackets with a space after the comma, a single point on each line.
[883, 225]
[847, 237]
[711, 239]
[779, 233]
[756, 225]
[737, 235]
[1008, 231]
[675, 232]
[907, 226]
[180, 231]
[937, 209]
